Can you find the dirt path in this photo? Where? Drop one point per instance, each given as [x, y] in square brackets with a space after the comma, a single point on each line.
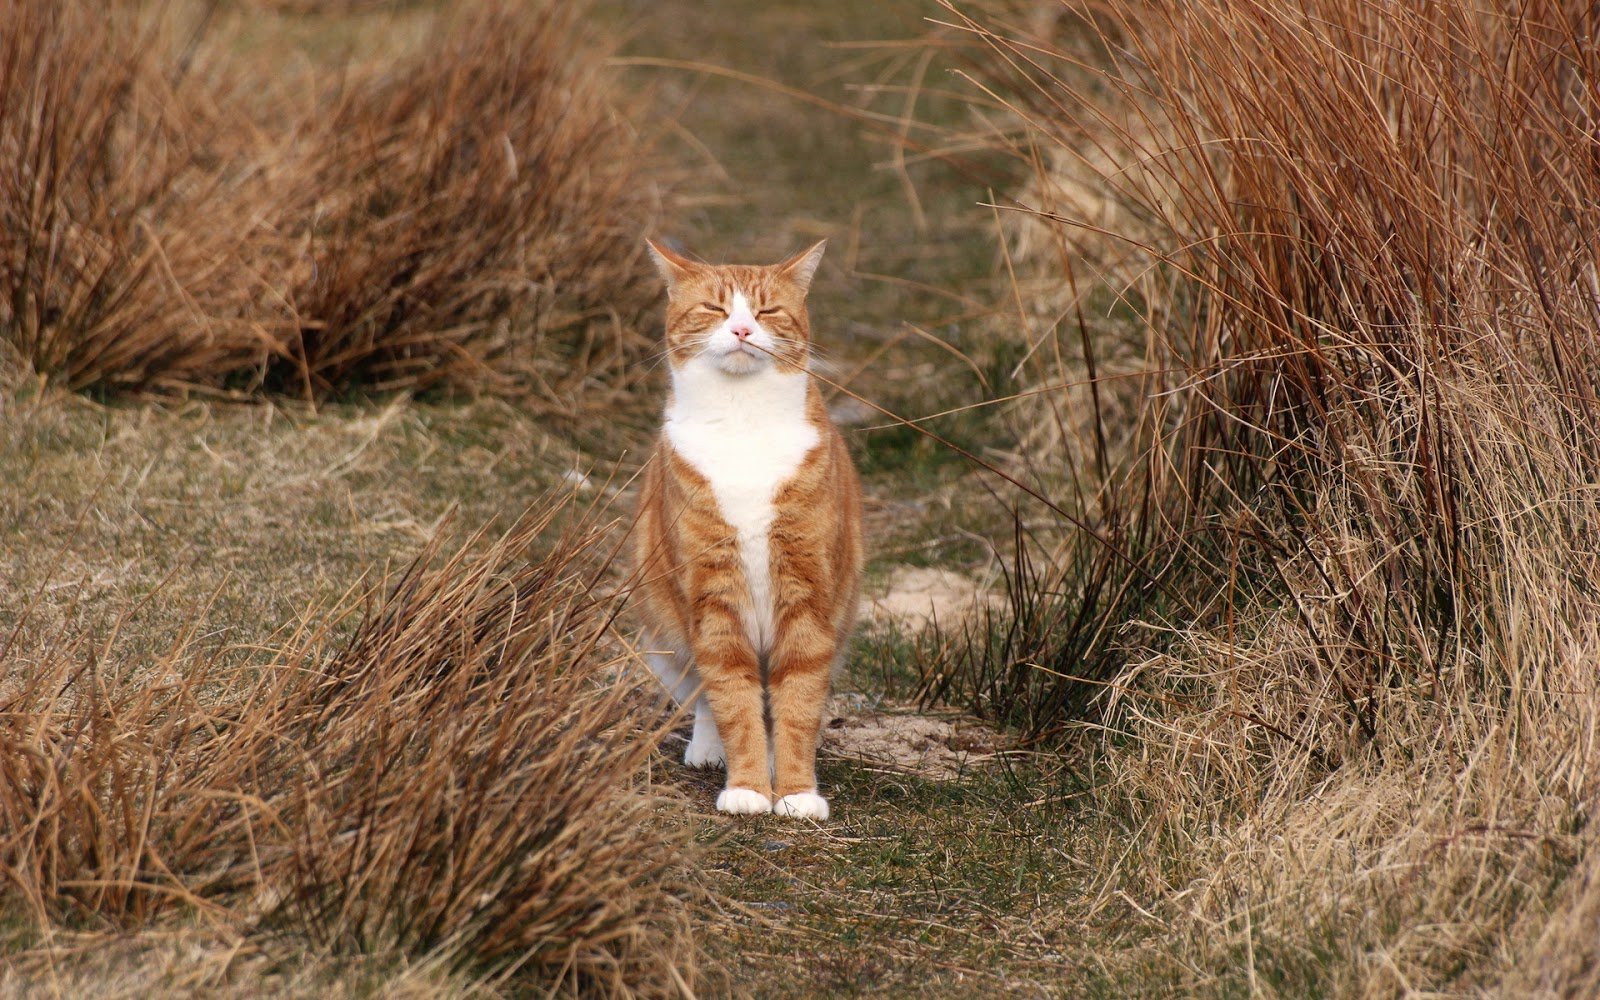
[927, 881]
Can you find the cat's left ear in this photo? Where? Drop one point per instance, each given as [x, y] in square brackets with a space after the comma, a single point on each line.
[672, 266]
[803, 266]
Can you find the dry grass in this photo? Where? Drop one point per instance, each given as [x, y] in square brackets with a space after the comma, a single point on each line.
[473, 211]
[460, 781]
[1350, 507]
[121, 238]
[464, 214]
[1334, 451]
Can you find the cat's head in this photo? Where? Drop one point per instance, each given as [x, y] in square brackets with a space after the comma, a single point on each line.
[738, 318]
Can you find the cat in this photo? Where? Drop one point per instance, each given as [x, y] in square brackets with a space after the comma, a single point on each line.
[748, 532]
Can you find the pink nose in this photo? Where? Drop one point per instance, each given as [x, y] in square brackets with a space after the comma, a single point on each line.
[742, 332]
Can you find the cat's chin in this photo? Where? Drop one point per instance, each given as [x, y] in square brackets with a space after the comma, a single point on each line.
[740, 362]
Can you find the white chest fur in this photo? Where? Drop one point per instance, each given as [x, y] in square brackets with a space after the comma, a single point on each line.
[747, 434]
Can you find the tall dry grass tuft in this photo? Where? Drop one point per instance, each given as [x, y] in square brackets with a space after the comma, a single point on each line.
[177, 214]
[1349, 250]
[1356, 288]
[462, 780]
[476, 755]
[472, 212]
[108, 815]
[121, 232]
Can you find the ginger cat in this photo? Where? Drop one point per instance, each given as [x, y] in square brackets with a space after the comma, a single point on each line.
[748, 538]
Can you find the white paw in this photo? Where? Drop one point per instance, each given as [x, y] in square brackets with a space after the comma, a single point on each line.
[705, 753]
[802, 805]
[743, 801]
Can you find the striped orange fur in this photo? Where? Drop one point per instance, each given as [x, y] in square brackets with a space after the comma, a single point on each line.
[748, 535]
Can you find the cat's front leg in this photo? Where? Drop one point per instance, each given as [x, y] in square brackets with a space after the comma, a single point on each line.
[732, 678]
[801, 672]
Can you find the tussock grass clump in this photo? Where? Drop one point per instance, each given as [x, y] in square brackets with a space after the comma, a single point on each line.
[473, 211]
[109, 815]
[1338, 590]
[1359, 317]
[462, 780]
[179, 215]
[477, 751]
[120, 231]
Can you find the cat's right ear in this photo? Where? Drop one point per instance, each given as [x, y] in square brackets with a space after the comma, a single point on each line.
[672, 266]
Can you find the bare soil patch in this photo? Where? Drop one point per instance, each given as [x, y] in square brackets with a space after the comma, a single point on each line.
[942, 747]
[916, 596]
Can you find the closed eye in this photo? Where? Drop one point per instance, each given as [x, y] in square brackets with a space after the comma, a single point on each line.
[713, 307]
[770, 311]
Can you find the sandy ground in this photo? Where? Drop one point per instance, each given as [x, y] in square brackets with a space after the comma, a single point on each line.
[937, 747]
[916, 596]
